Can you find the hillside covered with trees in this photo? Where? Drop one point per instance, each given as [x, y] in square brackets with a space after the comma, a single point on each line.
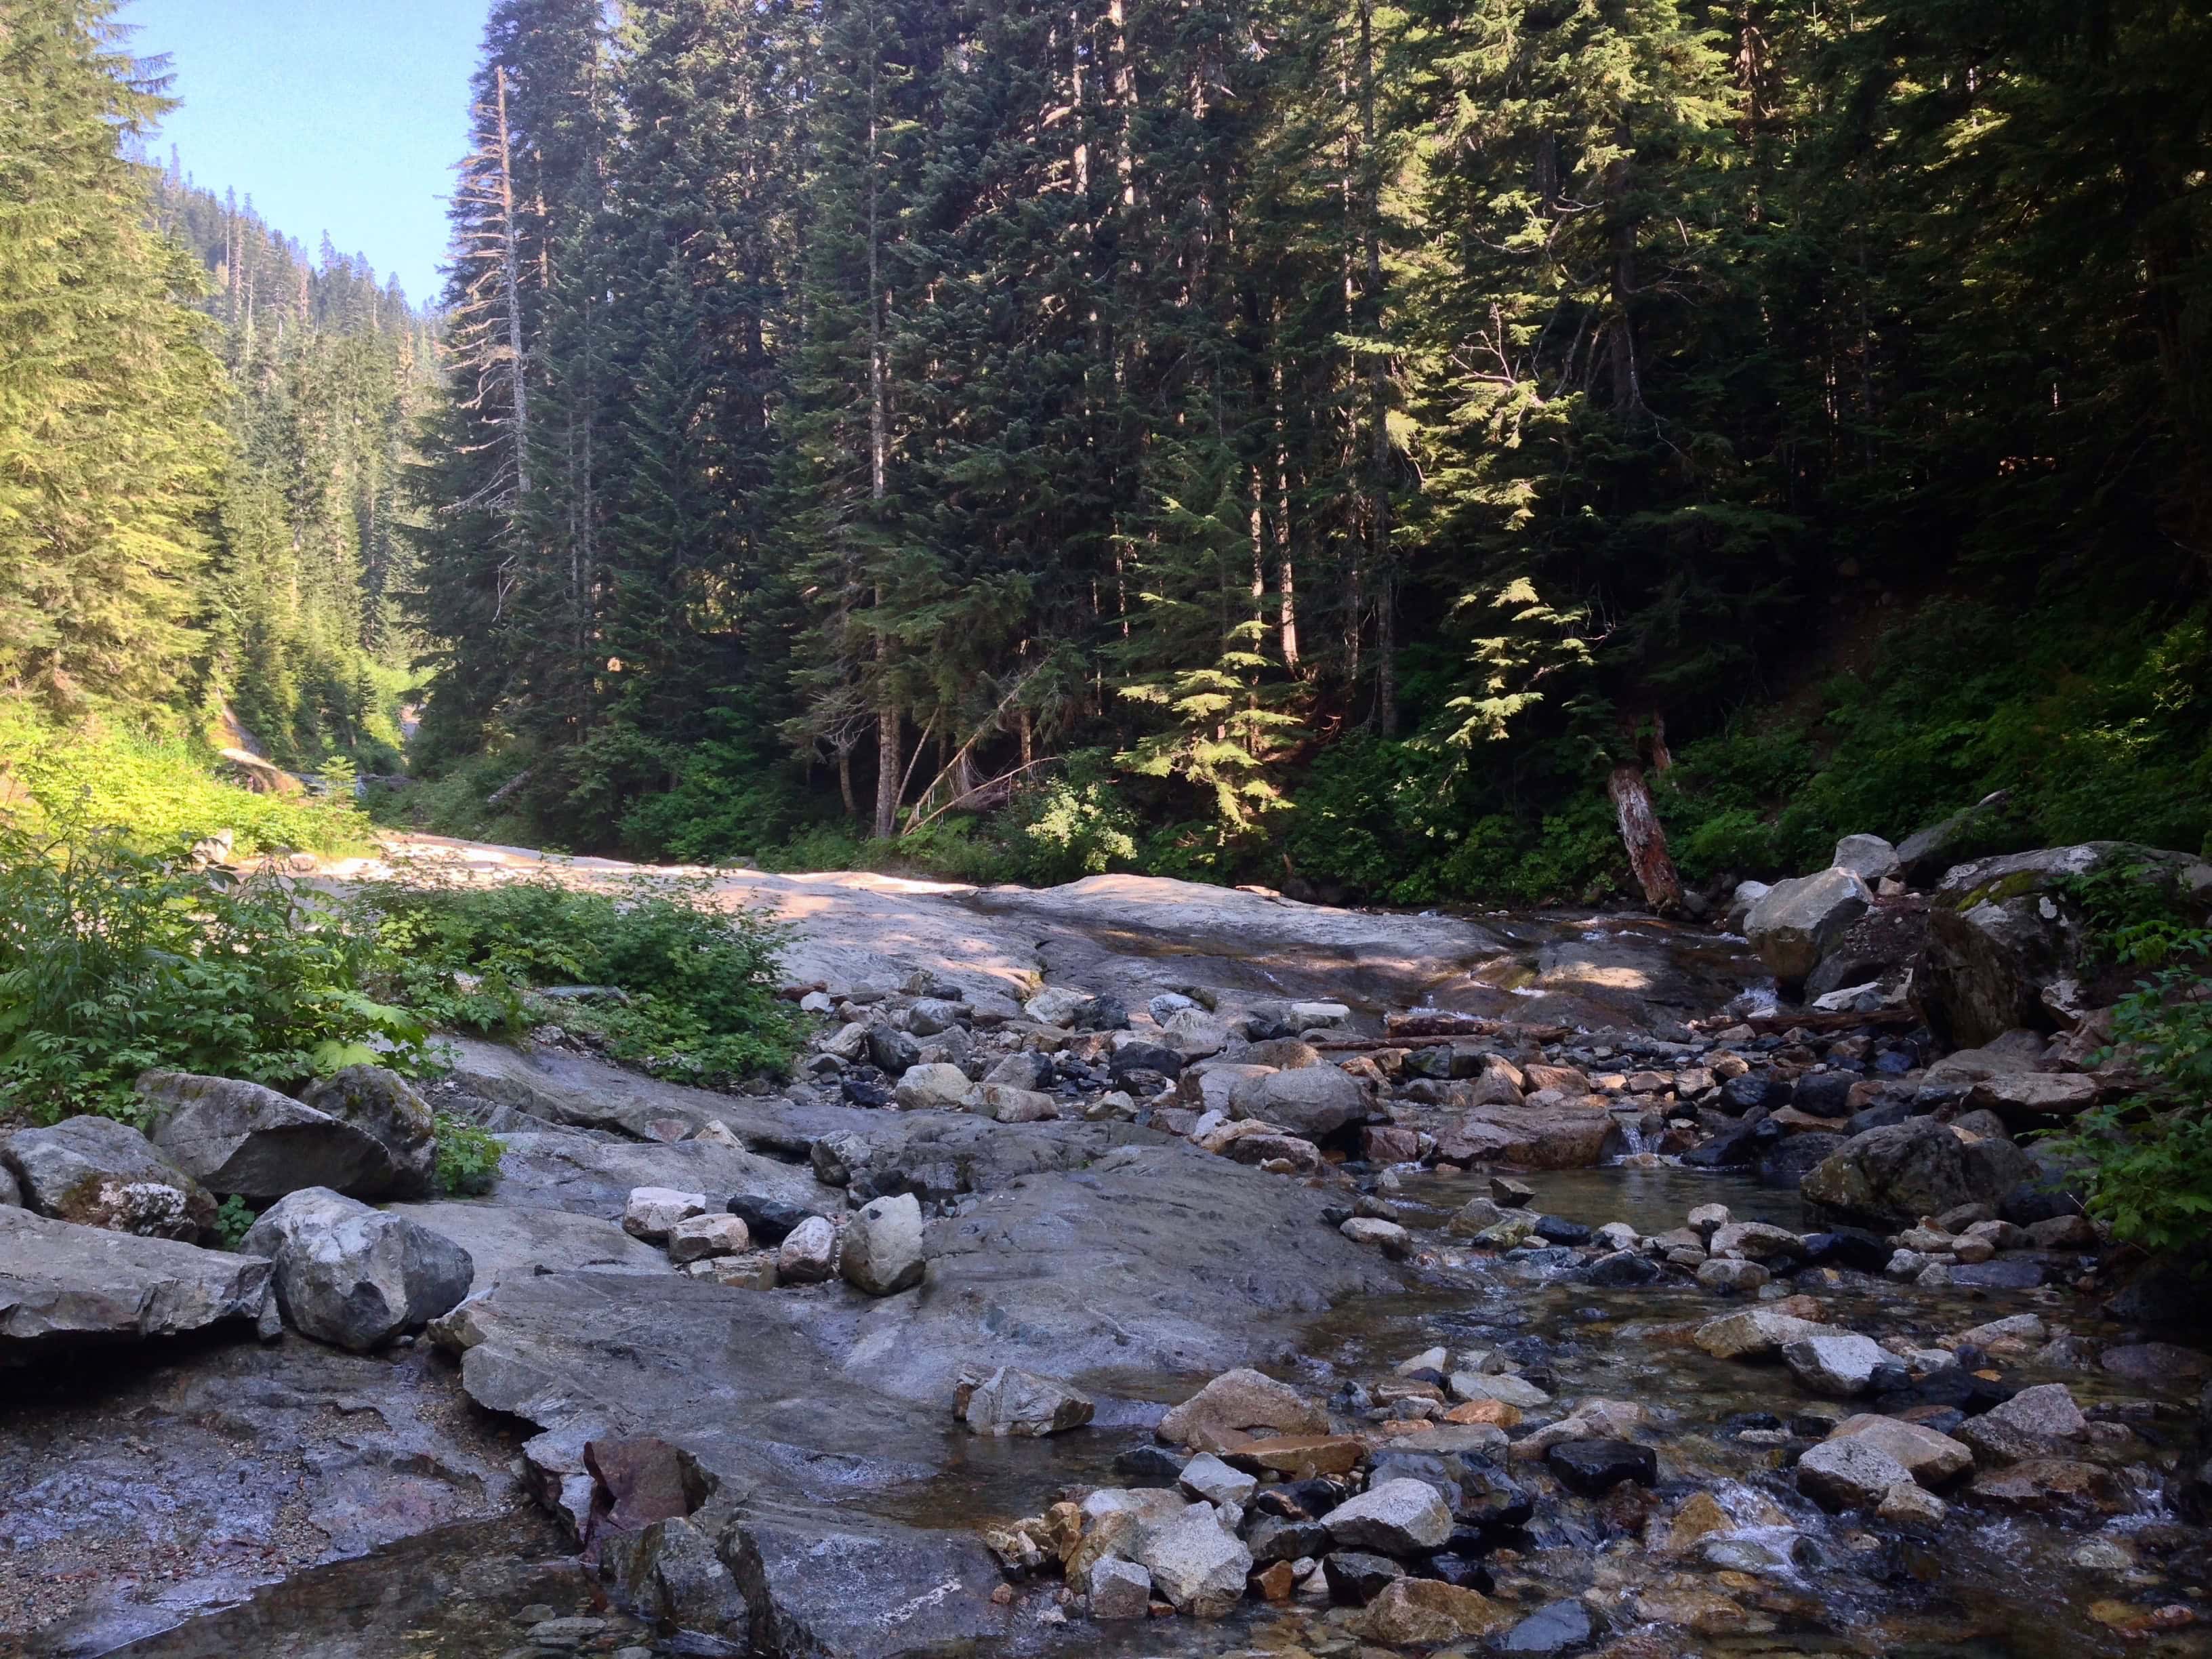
[1325, 438]
[201, 435]
[1364, 449]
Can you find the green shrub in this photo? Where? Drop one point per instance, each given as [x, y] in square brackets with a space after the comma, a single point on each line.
[2148, 1161]
[115, 960]
[699, 979]
[234, 1219]
[164, 789]
[468, 1158]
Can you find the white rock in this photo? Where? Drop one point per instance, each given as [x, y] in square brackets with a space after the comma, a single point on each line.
[1386, 1236]
[1200, 1569]
[706, 1236]
[1841, 1365]
[653, 1212]
[1396, 1518]
[1207, 1477]
[1055, 1005]
[882, 1253]
[1755, 1333]
[808, 1253]
[1908, 1504]
[932, 1088]
[1850, 1474]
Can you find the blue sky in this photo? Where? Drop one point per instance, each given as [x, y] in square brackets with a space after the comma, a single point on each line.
[338, 115]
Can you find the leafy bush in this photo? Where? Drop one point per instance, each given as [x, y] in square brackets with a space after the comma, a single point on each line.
[234, 1219]
[468, 1158]
[115, 960]
[698, 980]
[165, 789]
[2148, 1160]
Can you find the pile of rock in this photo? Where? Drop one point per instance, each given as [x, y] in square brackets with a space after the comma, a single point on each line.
[758, 1244]
[111, 1246]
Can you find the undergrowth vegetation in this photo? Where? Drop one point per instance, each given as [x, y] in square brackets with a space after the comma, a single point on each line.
[686, 988]
[117, 957]
[164, 787]
[2094, 731]
[2147, 1159]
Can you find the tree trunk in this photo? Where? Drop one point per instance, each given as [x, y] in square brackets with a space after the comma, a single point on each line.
[1645, 838]
[510, 285]
[888, 746]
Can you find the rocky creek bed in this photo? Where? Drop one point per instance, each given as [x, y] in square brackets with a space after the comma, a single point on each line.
[1135, 1268]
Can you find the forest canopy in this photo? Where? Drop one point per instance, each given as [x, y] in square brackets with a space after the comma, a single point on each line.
[1367, 448]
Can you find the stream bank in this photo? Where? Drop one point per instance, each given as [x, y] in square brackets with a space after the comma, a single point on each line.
[426, 1498]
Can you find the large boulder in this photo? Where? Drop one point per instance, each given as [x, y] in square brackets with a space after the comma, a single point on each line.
[2002, 931]
[1311, 1102]
[1975, 832]
[63, 1284]
[1878, 949]
[1794, 926]
[1891, 1177]
[384, 1105]
[99, 1173]
[354, 1277]
[237, 1137]
[1571, 1134]
[882, 1253]
[1868, 857]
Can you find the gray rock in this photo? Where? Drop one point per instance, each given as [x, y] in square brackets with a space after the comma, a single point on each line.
[1973, 832]
[386, 1106]
[2001, 930]
[352, 1276]
[1891, 1177]
[505, 1243]
[1207, 1477]
[241, 1137]
[652, 1213]
[1868, 857]
[63, 1284]
[1011, 1404]
[929, 1016]
[932, 1088]
[808, 1255]
[882, 1251]
[1794, 924]
[1195, 1565]
[1933, 1458]
[1238, 1401]
[1395, 1517]
[11, 1196]
[670, 1572]
[1120, 1589]
[896, 1051]
[1311, 1102]
[1841, 1364]
[99, 1173]
[1848, 1473]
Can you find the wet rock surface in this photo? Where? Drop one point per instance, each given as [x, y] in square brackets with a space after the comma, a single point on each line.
[1231, 1139]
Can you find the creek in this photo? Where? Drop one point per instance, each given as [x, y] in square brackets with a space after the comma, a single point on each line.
[232, 1498]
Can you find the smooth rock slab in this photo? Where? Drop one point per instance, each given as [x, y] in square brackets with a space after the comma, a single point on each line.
[62, 1285]
[99, 1173]
[355, 1277]
[505, 1243]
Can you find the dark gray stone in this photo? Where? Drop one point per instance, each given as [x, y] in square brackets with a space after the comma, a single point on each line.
[355, 1277]
[241, 1137]
[386, 1107]
[1553, 1629]
[1593, 1467]
[99, 1173]
[66, 1286]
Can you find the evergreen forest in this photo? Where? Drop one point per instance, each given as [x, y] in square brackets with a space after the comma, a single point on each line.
[1411, 452]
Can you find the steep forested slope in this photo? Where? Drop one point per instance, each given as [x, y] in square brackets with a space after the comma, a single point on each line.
[1361, 432]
